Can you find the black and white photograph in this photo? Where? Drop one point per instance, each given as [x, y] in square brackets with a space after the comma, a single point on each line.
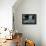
[28, 18]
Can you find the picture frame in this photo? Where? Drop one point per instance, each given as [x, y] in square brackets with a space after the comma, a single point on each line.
[28, 18]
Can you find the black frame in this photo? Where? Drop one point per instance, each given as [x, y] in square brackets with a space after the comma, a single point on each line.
[27, 17]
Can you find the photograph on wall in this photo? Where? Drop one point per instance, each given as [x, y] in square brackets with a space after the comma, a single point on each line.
[28, 18]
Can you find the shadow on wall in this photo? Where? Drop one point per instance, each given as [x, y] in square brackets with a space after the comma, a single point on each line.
[28, 7]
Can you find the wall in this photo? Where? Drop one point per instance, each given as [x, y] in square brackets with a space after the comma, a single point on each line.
[43, 22]
[6, 13]
[29, 31]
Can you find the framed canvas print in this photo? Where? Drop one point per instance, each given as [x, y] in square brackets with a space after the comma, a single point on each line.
[28, 18]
